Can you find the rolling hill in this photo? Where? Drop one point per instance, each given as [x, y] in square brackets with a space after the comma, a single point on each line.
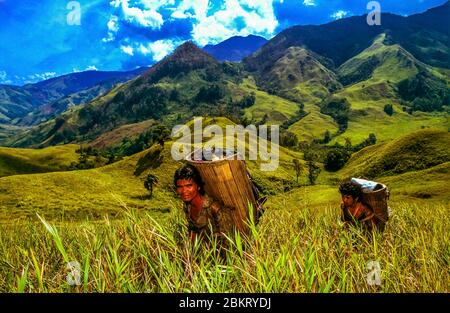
[374, 79]
[416, 151]
[30, 161]
[32, 103]
[298, 74]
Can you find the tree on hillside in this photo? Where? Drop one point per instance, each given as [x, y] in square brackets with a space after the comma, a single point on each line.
[288, 139]
[348, 143]
[313, 172]
[160, 134]
[326, 137]
[370, 141]
[336, 159]
[389, 109]
[298, 167]
[149, 182]
[211, 94]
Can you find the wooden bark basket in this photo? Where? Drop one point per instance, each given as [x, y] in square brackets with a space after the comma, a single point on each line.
[227, 180]
[377, 200]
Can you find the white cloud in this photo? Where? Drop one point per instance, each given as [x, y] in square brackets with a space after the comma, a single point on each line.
[235, 17]
[113, 28]
[339, 14]
[159, 49]
[147, 17]
[309, 3]
[91, 68]
[180, 15]
[42, 76]
[38, 77]
[157, 4]
[3, 78]
[127, 49]
[191, 9]
[231, 18]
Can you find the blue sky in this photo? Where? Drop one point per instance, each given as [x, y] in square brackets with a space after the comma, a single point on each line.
[43, 39]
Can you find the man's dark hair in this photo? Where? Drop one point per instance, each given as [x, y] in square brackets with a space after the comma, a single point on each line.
[349, 189]
[189, 172]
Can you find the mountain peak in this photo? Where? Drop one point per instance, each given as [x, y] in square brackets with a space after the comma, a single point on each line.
[187, 57]
[236, 48]
[188, 47]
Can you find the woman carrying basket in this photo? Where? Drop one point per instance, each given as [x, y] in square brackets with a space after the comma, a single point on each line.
[205, 215]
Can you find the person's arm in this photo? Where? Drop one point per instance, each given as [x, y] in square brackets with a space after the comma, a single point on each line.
[192, 235]
[345, 216]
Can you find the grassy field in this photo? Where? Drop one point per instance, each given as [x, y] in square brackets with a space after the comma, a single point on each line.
[82, 193]
[28, 161]
[302, 249]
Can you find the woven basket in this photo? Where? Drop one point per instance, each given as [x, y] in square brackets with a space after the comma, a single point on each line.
[227, 180]
[377, 200]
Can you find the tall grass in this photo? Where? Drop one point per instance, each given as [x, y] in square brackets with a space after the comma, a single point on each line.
[299, 250]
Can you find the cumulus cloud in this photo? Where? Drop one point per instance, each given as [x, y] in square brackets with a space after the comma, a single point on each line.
[4, 78]
[209, 22]
[127, 49]
[191, 9]
[113, 28]
[339, 14]
[157, 49]
[38, 77]
[88, 68]
[309, 3]
[145, 13]
[91, 68]
[233, 18]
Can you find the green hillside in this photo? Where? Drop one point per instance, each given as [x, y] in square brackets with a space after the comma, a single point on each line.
[419, 150]
[116, 136]
[380, 63]
[373, 81]
[298, 74]
[313, 125]
[277, 110]
[383, 74]
[27, 161]
[187, 83]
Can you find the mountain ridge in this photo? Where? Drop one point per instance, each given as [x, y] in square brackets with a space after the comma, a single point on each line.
[236, 48]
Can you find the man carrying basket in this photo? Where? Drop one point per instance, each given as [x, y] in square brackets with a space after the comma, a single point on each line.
[364, 203]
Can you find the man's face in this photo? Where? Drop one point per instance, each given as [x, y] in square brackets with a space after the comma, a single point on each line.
[187, 189]
[348, 200]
